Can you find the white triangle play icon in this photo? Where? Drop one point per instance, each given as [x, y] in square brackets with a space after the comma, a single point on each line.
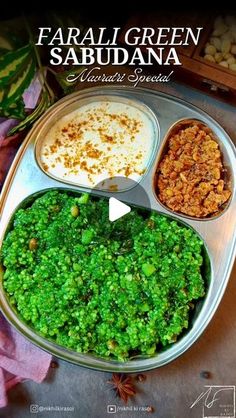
[117, 209]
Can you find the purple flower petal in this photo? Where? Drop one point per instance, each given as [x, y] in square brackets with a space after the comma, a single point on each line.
[6, 126]
[30, 97]
[32, 93]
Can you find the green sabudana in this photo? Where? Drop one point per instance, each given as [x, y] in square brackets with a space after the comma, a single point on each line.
[114, 289]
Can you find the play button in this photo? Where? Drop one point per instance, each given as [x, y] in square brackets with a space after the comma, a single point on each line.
[128, 191]
[117, 209]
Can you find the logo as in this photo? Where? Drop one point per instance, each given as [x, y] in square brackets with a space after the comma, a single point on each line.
[34, 409]
[111, 409]
[217, 401]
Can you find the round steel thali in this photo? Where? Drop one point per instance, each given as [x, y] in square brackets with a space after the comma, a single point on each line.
[27, 178]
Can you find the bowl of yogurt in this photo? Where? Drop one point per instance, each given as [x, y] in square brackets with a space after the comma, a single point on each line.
[97, 140]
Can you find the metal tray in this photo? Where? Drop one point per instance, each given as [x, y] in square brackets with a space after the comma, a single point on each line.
[26, 178]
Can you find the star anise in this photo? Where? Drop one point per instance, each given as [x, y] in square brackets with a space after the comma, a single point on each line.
[122, 385]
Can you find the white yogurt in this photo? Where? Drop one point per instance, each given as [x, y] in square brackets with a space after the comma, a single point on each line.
[100, 140]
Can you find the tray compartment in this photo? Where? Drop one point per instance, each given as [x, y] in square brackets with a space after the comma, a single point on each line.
[13, 316]
[226, 172]
[99, 138]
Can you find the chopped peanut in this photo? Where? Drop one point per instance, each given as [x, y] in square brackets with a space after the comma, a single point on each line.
[190, 175]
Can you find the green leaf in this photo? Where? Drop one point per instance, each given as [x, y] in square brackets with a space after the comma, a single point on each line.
[16, 110]
[17, 69]
[12, 63]
[29, 120]
[18, 86]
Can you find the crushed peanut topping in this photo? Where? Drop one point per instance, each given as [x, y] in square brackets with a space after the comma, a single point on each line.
[191, 174]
